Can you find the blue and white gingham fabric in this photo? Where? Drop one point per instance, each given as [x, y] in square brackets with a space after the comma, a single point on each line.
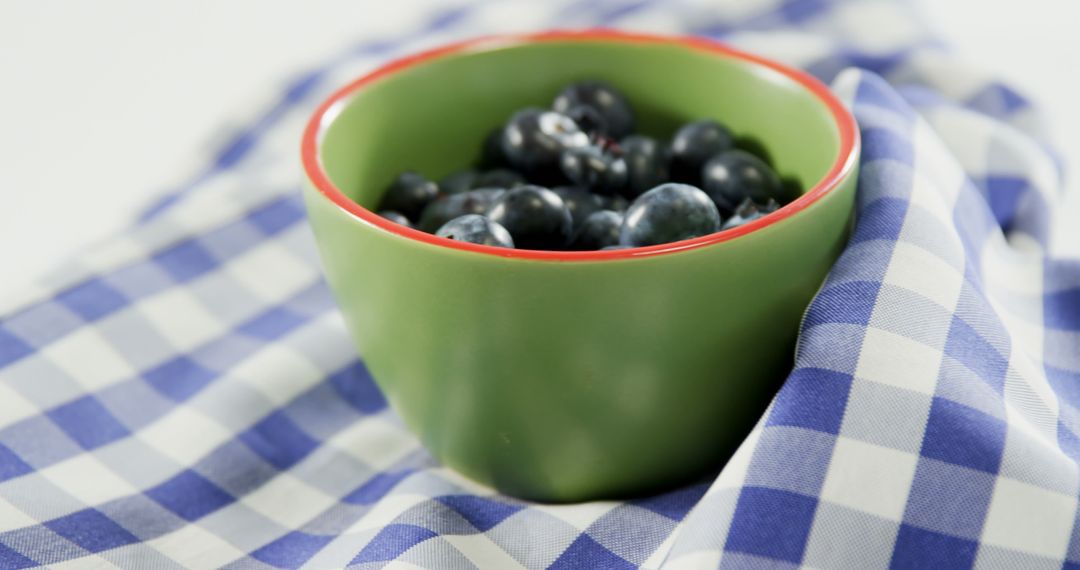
[185, 395]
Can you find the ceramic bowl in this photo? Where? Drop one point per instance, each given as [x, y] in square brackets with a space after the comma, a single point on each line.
[566, 376]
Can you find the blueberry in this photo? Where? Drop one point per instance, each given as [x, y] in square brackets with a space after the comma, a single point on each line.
[474, 228]
[734, 175]
[605, 99]
[492, 155]
[465, 180]
[755, 147]
[580, 202]
[534, 138]
[748, 211]
[594, 169]
[600, 230]
[408, 194]
[646, 164]
[607, 144]
[670, 212]
[790, 189]
[589, 120]
[536, 217]
[693, 145]
[499, 178]
[617, 204]
[449, 207]
[458, 182]
[395, 217]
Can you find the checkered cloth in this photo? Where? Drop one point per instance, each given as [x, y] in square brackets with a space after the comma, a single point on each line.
[185, 395]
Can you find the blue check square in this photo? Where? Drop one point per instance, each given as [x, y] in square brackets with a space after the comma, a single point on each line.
[291, 550]
[279, 441]
[13, 560]
[92, 299]
[179, 378]
[482, 513]
[11, 465]
[91, 530]
[186, 261]
[771, 523]
[12, 348]
[963, 436]
[812, 398]
[585, 552]
[190, 495]
[88, 423]
[918, 548]
[392, 541]
[376, 487]
[276, 216]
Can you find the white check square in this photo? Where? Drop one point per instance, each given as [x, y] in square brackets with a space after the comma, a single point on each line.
[580, 515]
[869, 478]
[288, 501]
[88, 480]
[89, 359]
[181, 319]
[1029, 519]
[385, 511]
[184, 435]
[918, 270]
[191, 546]
[12, 517]
[271, 272]
[14, 407]
[375, 442]
[889, 358]
[481, 551]
[278, 372]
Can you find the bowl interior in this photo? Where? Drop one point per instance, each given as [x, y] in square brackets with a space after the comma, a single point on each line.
[433, 116]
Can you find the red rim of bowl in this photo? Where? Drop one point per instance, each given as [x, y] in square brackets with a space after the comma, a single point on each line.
[842, 165]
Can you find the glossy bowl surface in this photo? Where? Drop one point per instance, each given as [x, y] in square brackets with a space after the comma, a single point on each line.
[564, 376]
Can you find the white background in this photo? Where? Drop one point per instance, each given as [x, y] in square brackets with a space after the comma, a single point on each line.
[105, 104]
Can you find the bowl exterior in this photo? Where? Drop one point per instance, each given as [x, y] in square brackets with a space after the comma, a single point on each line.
[566, 381]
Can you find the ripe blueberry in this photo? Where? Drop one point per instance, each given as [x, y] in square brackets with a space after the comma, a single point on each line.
[492, 155]
[693, 145]
[605, 99]
[748, 211]
[589, 120]
[670, 212]
[395, 217]
[580, 202]
[600, 230]
[617, 204]
[734, 175]
[474, 228]
[646, 164]
[458, 182]
[534, 138]
[499, 178]
[536, 217]
[409, 194]
[591, 168]
[449, 207]
[755, 147]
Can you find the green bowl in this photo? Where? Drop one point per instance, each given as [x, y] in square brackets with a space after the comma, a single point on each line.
[567, 376]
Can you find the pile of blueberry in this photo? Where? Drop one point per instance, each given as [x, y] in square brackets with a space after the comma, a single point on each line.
[577, 177]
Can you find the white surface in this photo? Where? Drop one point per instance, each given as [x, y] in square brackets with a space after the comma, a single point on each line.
[106, 104]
